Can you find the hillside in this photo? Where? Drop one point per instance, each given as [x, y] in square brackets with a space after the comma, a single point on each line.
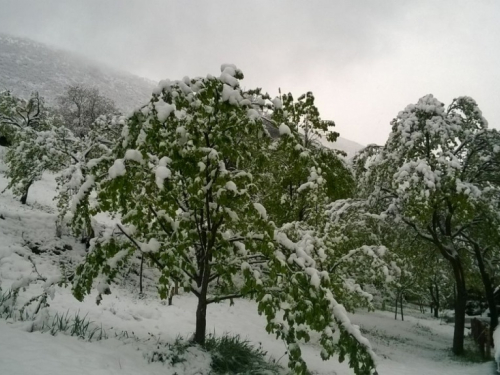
[346, 145]
[27, 66]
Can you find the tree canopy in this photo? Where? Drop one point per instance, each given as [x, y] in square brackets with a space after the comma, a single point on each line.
[191, 179]
[80, 106]
[438, 174]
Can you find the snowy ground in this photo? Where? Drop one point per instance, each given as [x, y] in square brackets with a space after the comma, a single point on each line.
[415, 346]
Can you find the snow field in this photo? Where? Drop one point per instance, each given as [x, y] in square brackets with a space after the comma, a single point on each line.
[414, 346]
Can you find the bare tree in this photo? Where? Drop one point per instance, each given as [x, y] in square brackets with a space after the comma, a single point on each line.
[80, 106]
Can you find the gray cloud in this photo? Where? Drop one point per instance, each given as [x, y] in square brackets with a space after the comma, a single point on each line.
[364, 60]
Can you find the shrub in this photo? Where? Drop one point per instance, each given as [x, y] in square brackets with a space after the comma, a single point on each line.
[234, 355]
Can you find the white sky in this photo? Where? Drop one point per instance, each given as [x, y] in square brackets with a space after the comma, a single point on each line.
[364, 60]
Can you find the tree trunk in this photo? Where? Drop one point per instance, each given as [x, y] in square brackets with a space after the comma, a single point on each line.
[488, 289]
[87, 235]
[24, 197]
[401, 306]
[173, 292]
[201, 310]
[140, 273]
[396, 310]
[461, 290]
[461, 300]
[201, 321]
[91, 236]
[493, 310]
[434, 289]
[438, 303]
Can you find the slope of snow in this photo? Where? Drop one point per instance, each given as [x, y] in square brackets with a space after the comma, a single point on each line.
[43, 354]
[27, 66]
[24, 353]
[349, 147]
[415, 346]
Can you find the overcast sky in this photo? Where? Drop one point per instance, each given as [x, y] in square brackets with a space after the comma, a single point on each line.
[364, 60]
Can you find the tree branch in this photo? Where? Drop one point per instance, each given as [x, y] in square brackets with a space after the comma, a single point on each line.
[229, 296]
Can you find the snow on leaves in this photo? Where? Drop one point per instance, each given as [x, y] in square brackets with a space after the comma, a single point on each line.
[192, 175]
[439, 174]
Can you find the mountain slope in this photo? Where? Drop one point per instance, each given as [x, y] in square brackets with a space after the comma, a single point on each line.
[27, 66]
[346, 145]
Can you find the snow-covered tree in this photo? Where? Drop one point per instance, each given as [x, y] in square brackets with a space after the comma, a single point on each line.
[184, 178]
[359, 238]
[305, 117]
[8, 104]
[481, 236]
[432, 175]
[18, 114]
[29, 126]
[299, 165]
[80, 106]
[424, 275]
[75, 178]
